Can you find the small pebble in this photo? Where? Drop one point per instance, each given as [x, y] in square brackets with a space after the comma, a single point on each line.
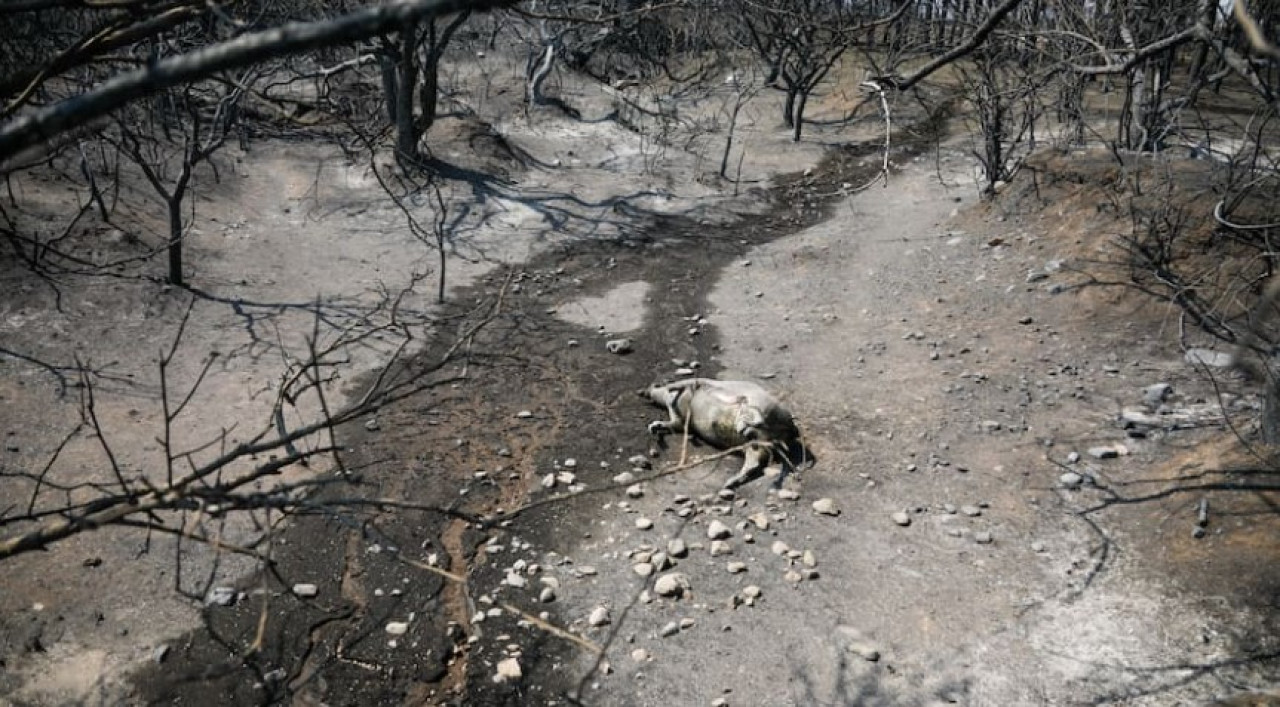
[599, 616]
[718, 531]
[901, 518]
[643, 523]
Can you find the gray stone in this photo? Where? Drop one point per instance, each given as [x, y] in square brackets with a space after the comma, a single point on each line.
[305, 591]
[671, 628]
[643, 523]
[677, 548]
[982, 537]
[508, 669]
[547, 595]
[826, 507]
[644, 569]
[1208, 357]
[1070, 480]
[971, 511]
[736, 567]
[788, 494]
[396, 628]
[718, 531]
[599, 616]
[720, 547]
[901, 518]
[1154, 395]
[222, 596]
[673, 584]
[624, 478]
[618, 346]
[1104, 452]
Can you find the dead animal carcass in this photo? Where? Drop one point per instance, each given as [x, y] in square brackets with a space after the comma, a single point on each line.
[729, 414]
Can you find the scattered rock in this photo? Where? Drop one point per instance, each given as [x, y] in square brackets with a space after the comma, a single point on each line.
[687, 623]
[372, 424]
[397, 628]
[524, 414]
[720, 547]
[599, 616]
[793, 576]
[624, 478]
[547, 595]
[635, 491]
[671, 628]
[222, 596]
[751, 591]
[736, 567]
[863, 650]
[515, 580]
[305, 591]
[826, 507]
[982, 537]
[1154, 395]
[779, 548]
[760, 520]
[718, 531]
[788, 494]
[901, 518]
[971, 511]
[640, 655]
[1104, 452]
[1037, 546]
[508, 669]
[1070, 480]
[644, 569]
[1208, 357]
[674, 584]
[643, 523]
[677, 548]
[809, 559]
[618, 346]
[159, 654]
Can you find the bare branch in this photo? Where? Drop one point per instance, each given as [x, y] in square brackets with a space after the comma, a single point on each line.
[26, 131]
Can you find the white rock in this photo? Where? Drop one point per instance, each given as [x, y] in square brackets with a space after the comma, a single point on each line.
[673, 584]
[397, 628]
[644, 569]
[809, 559]
[305, 591]
[624, 478]
[547, 595]
[599, 616]
[508, 669]
[643, 523]
[515, 580]
[720, 547]
[761, 520]
[826, 507]
[736, 567]
[901, 518]
[677, 548]
[640, 655]
[788, 494]
[718, 531]
[671, 628]
[780, 548]
[635, 490]
[751, 591]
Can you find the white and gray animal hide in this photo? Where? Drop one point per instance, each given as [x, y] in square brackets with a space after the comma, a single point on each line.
[728, 414]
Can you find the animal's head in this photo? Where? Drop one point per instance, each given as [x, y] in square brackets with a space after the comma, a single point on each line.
[658, 394]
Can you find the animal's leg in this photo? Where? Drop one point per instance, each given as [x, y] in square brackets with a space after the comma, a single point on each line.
[674, 421]
[756, 458]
